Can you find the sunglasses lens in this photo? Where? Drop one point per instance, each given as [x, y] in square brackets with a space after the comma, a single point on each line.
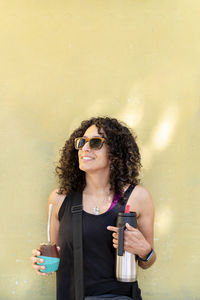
[79, 143]
[95, 143]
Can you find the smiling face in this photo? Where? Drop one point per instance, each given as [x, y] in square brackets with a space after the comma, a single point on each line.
[91, 160]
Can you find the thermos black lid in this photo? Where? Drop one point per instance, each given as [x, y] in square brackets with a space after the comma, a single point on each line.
[130, 214]
[129, 218]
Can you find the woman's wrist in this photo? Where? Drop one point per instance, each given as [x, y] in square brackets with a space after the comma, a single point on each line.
[145, 251]
[147, 257]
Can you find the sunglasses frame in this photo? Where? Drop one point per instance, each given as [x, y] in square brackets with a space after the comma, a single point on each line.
[88, 140]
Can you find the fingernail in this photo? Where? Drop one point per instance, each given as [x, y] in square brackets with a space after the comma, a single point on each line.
[43, 267]
[41, 260]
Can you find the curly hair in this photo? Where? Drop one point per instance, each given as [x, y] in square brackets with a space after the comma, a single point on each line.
[123, 153]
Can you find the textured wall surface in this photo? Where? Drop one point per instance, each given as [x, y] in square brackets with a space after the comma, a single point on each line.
[63, 61]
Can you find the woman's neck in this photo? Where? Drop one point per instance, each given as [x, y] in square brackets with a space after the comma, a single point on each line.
[97, 184]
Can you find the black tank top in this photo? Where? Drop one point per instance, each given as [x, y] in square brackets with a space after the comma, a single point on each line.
[98, 254]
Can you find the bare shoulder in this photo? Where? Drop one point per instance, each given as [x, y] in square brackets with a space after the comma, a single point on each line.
[142, 193]
[56, 199]
[141, 200]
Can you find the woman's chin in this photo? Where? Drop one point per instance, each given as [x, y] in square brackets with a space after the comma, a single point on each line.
[87, 169]
[84, 168]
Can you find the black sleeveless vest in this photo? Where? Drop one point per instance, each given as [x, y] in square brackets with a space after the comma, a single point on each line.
[98, 254]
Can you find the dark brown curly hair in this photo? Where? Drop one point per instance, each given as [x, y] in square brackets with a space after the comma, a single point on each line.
[123, 153]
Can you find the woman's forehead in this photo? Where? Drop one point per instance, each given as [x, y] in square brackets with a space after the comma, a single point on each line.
[92, 131]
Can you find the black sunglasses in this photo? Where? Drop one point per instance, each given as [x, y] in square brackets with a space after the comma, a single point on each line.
[94, 142]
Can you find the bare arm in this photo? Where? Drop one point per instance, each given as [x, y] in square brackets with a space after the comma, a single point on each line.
[57, 201]
[139, 240]
[145, 224]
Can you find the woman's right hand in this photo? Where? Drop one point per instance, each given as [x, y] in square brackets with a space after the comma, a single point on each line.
[35, 260]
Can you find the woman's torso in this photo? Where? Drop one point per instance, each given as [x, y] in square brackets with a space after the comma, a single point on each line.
[98, 253]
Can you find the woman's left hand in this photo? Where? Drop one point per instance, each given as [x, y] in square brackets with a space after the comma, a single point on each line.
[134, 241]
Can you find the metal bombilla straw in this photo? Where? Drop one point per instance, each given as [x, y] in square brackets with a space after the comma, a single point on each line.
[49, 223]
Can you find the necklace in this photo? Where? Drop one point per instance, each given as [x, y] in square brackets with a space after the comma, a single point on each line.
[96, 208]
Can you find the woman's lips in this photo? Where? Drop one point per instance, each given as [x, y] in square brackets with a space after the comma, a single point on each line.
[87, 158]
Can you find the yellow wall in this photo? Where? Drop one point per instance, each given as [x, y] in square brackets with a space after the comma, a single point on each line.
[63, 61]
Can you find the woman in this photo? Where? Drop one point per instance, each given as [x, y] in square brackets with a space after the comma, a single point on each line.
[101, 160]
